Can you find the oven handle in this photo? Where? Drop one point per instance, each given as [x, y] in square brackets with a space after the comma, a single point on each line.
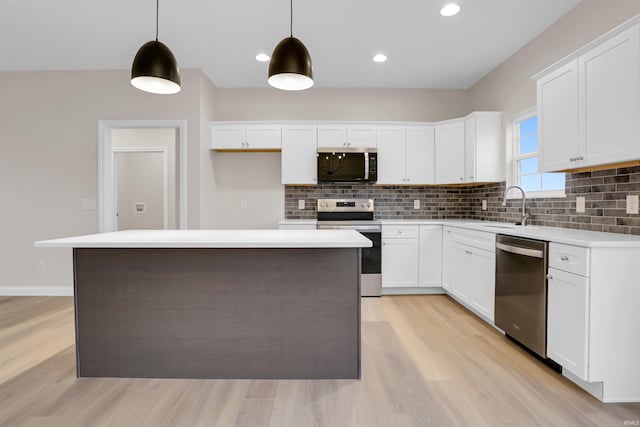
[372, 228]
[534, 253]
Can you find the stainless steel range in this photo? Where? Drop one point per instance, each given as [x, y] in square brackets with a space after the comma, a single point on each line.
[357, 214]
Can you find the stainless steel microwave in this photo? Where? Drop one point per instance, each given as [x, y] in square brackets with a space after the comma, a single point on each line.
[347, 165]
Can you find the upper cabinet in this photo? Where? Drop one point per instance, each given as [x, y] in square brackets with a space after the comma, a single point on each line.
[406, 155]
[589, 104]
[450, 163]
[299, 152]
[347, 136]
[483, 147]
[245, 137]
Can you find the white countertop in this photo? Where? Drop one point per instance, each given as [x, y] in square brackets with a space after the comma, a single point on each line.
[552, 234]
[214, 239]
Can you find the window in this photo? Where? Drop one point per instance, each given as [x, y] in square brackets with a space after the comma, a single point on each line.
[525, 161]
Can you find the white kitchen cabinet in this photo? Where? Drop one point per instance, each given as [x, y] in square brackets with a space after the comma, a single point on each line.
[347, 136]
[430, 253]
[589, 104]
[482, 276]
[484, 147]
[449, 148]
[299, 152]
[245, 137]
[567, 321]
[406, 155]
[447, 257]
[400, 261]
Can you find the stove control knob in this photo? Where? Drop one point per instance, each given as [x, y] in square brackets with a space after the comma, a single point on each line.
[364, 205]
[368, 204]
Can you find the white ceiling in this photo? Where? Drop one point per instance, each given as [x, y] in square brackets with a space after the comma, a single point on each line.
[425, 50]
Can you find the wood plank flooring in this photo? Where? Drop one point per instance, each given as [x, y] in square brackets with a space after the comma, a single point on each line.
[426, 362]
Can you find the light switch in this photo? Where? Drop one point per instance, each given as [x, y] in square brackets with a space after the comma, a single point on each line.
[580, 204]
[301, 204]
[484, 205]
[416, 204]
[632, 204]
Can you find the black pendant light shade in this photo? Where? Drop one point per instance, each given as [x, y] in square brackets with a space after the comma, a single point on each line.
[290, 66]
[155, 69]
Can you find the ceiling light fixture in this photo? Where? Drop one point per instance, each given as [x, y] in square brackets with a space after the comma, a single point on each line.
[262, 57]
[380, 58]
[154, 68]
[290, 66]
[450, 9]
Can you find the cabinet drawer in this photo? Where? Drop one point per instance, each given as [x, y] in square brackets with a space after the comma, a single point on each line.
[400, 232]
[477, 239]
[572, 259]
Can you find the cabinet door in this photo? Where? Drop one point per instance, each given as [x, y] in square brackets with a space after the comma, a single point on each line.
[420, 155]
[482, 275]
[558, 119]
[447, 257]
[391, 155]
[610, 85]
[264, 137]
[567, 321]
[228, 137]
[299, 163]
[361, 136]
[332, 136]
[430, 256]
[460, 255]
[400, 263]
[450, 153]
[470, 149]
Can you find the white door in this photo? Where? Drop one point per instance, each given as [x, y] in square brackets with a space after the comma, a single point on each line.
[264, 137]
[420, 155]
[141, 190]
[460, 271]
[400, 263]
[391, 155]
[558, 119]
[228, 137]
[332, 136]
[610, 81]
[447, 258]
[450, 153]
[430, 256]
[482, 274]
[470, 149]
[361, 136]
[299, 155]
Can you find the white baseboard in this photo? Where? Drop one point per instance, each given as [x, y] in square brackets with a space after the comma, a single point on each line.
[413, 291]
[32, 291]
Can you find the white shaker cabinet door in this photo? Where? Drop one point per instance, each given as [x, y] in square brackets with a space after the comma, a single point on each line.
[567, 321]
[400, 263]
[299, 155]
[430, 256]
[332, 136]
[420, 155]
[482, 275]
[610, 81]
[391, 155]
[264, 137]
[450, 153]
[361, 136]
[225, 137]
[558, 119]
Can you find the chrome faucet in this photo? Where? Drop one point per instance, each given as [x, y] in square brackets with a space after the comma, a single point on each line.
[524, 216]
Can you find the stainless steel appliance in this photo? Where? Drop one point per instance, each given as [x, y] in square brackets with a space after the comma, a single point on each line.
[521, 291]
[347, 165]
[357, 214]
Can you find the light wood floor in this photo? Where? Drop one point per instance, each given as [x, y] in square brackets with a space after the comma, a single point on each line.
[426, 362]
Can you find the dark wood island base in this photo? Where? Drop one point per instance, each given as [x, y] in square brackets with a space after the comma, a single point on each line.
[246, 313]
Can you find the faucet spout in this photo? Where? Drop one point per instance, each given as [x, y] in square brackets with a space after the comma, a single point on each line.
[524, 215]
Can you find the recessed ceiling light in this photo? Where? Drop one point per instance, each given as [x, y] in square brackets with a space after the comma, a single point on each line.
[262, 57]
[380, 58]
[450, 9]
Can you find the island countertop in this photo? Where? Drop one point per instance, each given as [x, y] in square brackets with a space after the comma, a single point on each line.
[214, 239]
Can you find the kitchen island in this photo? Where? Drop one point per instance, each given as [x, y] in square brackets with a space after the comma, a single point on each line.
[255, 304]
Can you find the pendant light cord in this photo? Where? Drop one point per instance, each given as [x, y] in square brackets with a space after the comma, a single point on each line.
[157, 12]
[291, 20]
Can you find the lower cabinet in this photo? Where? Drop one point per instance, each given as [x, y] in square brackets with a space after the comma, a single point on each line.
[567, 321]
[400, 262]
[430, 254]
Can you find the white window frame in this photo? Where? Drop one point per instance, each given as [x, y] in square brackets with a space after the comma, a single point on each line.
[516, 157]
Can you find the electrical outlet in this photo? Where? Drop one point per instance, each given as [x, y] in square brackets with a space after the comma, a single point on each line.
[301, 204]
[243, 204]
[416, 204]
[484, 205]
[632, 204]
[580, 204]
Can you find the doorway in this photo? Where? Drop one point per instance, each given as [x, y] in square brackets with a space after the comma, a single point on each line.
[142, 189]
[142, 174]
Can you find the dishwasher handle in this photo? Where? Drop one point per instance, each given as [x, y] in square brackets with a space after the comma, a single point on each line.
[534, 253]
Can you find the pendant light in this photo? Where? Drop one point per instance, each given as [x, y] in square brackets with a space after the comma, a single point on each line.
[290, 66]
[154, 68]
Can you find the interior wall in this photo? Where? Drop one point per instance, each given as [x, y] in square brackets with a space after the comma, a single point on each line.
[49, 162]
[154, 137]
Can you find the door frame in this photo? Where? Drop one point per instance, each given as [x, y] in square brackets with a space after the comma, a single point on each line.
[165, 180]
[106, 218]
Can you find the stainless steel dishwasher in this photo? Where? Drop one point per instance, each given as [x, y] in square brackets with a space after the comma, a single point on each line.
[521, 291]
